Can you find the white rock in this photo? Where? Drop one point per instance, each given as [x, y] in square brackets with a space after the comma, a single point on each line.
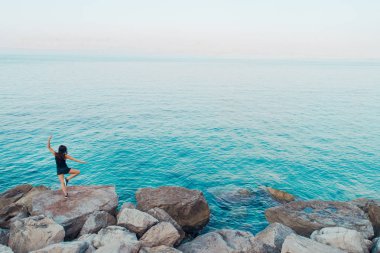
[65, 247]
[238, 240]
[5, 249]
[159, 249]
[298, 244]
[346, 239]
[114, 234]
[271, 238]
[117, 247]
[34, 233]
[164, 233]
[135, 220]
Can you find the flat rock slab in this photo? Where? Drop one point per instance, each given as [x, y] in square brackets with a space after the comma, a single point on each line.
[298, 244]
[14, 194]
[187, 207]
[304, 217]
[73, 212]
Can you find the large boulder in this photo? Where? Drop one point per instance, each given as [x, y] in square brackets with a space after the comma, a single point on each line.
[5, 249]
[221, 241]
[298, 244]
[14, 194]
[73, 212]
[114, 234]
[345, 239]
[96, 221]
[372, 208]
[65, 247]
[187, 207]
[164, 233]
[304, 217]
[4, 236]
[27, 199]
[162, 215]
[135, 220]
[280, 196]
[159, 249]
[270, 240]
[34, 233]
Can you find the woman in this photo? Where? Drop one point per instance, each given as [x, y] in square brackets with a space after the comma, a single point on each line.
[62, 168]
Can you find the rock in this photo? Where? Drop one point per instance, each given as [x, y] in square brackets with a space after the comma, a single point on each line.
[221, 241]
[161, 215]
[187, 207]
[297, 244]
[114, 234]
[89, 238]
[11, 213]
[96, 221]
[135, 220]
[26, 200]
[231, 194]
[376, 245]
[65, 247]
[73, 213]
[270, 240]
[159, 249]
[342, 238]
[280, 196]
[34, 233]
[164, 233]
[125, 205]
[14, 194]
[374, 215]
[117, 247]
[5, 249]
[304, 217]
[4, 236]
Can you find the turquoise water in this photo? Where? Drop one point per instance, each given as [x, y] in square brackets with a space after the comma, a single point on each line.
[311, 128]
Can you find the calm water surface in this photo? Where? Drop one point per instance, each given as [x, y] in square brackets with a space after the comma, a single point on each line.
[311, 128]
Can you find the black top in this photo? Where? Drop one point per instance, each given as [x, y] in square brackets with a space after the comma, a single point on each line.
[61, 163]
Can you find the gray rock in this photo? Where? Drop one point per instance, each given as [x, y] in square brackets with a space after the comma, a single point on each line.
[376, 245]
[280, 196]
[159, 249]
[231, 194]
[27, 199]
[65, 247]
[162, 215]
[135, 220]
[4, 236]
[187, 207]
[117, 247]
[96, 221]
[297, 244]
[14, 194]
[164, 233]
[342, 238]
[372, 208]
[221, 241]
[304, 217]
[114, 234]
[34, 233]
[11, 213]
[73, 213]
[89, 238]
[5, 249]
[270, 240]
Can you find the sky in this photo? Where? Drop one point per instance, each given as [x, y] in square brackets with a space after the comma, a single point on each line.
[200, 28]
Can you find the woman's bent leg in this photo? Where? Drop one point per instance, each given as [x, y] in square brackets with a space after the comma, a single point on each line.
[73, 173]
[63, 186]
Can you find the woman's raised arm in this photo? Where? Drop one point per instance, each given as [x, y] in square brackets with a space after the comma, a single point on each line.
[48, 146]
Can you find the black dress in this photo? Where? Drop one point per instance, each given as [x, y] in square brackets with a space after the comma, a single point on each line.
[62, 167]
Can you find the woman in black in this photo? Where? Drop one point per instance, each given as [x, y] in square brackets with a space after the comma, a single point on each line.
[60, 158]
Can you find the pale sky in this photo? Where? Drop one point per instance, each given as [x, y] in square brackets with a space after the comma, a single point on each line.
[216, 28]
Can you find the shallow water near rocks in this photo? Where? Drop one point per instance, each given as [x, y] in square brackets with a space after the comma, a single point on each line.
[308, 127]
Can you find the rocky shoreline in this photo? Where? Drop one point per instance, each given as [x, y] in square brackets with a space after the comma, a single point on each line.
[169, 219]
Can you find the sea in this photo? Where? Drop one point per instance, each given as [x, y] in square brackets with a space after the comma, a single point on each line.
[309, 127]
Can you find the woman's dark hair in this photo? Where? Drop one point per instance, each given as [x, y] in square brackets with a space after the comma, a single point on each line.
[62, 151]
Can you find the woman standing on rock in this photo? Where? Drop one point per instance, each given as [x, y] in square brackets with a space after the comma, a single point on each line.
[62, 168]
